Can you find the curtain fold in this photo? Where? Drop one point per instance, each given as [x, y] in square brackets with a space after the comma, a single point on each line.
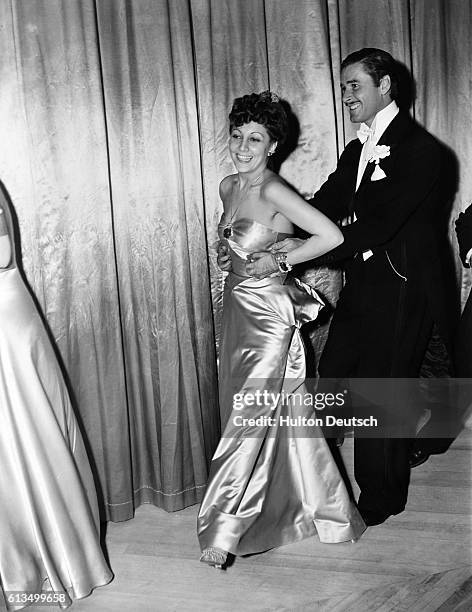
[442, 65]
[230, 60]
[151, 116]
[54, 166]
[114, 128]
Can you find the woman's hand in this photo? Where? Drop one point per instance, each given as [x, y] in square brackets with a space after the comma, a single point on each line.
[261, 265]
[224, 258]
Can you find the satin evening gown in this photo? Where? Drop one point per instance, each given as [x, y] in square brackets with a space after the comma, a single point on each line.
[269, 484]
[49, 523]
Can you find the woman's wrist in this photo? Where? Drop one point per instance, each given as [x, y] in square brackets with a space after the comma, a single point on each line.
[292, 259]
[280, 258]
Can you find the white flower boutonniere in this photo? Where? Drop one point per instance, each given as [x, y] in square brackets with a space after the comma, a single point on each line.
[380, 152]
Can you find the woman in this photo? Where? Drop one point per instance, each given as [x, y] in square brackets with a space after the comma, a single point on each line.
[271, 481]
[49, 524]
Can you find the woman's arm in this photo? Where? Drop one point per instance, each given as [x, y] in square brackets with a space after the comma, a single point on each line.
[325, 235]
[5, 243]
[224, 258]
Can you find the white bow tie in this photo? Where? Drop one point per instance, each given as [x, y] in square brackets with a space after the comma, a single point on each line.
[364, 132]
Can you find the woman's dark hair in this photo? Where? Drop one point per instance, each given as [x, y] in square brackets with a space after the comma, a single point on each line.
[377, 63]
[264, 108]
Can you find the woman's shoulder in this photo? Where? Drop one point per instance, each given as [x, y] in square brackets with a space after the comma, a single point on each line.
[226, 185]
[273, 186]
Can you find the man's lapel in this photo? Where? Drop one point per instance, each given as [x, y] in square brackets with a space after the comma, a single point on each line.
[353, 166]
[393, 135]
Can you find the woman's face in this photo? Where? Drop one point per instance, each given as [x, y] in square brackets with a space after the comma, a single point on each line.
[249, 146]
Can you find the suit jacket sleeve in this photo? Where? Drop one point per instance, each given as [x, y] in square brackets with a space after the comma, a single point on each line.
[464, 234]
[392, 200]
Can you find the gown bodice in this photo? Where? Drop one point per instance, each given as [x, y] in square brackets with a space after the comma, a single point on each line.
[248, 236]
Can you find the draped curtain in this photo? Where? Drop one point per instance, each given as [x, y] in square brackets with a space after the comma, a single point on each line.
[113, 123]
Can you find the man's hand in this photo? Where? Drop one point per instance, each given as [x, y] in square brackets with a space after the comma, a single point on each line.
[287, 245]
[261, 265]
[464, 234]
[224, 258]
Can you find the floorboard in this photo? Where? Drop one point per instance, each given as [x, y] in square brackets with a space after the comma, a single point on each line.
[418, 561]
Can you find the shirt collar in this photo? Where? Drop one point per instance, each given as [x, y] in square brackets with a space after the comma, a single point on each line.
[383, 119]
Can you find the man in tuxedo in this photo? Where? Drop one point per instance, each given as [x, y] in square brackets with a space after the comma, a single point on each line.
[386, 184]
[463, 344]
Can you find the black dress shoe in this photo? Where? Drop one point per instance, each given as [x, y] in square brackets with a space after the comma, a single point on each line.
[372, 518]
[418, 457]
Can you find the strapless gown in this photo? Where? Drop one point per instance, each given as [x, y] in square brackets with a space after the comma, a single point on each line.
[273, 482]
[49, 523]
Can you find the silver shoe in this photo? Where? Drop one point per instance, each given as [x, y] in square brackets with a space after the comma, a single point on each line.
[214, 556]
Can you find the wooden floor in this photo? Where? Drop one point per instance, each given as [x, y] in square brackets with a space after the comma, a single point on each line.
[418, 561]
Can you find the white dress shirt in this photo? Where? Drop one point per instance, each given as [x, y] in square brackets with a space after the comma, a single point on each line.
[380, 123]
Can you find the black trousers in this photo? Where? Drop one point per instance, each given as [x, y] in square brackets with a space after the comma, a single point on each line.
[380, 329]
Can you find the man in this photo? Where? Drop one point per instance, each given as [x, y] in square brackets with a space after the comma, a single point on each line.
[386, 182]
[463, 345]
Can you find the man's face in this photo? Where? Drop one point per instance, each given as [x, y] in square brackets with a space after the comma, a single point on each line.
[360, 94]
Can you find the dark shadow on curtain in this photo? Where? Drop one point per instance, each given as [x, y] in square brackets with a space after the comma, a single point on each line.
[438, 361]
[285, 149]
[406, 87]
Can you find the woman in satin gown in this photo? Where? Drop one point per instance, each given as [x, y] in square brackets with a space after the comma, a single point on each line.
[49, 522]
[272, 480]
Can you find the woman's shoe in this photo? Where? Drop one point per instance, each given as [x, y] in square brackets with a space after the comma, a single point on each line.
[214, 556]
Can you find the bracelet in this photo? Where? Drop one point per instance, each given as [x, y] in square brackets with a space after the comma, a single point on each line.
[281, 261]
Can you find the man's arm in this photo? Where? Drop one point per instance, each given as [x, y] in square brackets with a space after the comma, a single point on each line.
[397, 197]
[464, 235]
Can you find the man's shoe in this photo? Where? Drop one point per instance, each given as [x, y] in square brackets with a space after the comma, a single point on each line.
[372, 518]
[418, 457]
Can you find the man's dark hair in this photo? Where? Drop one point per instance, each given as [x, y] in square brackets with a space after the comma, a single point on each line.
[264, 108]
[377, 63]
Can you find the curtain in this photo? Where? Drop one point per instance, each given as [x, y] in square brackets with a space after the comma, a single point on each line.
[113, 118]
[54, 166]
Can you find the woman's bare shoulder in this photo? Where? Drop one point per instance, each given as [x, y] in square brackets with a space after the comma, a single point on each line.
[226, 185]
[274, 187]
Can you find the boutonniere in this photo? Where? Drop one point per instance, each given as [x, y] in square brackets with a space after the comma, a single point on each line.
[380, 152]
